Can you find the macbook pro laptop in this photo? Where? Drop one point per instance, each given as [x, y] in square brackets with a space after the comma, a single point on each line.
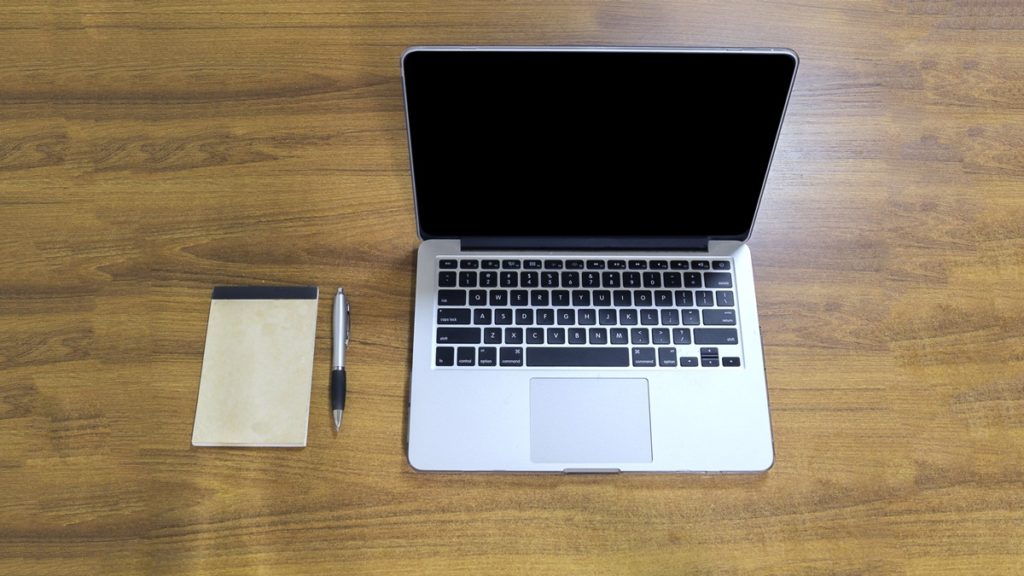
[584, 294]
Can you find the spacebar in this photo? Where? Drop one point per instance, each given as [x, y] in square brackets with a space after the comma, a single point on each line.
[577, 356]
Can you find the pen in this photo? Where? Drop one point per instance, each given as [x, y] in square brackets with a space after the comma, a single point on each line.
[342, 324]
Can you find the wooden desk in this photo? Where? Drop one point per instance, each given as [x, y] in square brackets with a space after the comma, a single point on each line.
[149, 151]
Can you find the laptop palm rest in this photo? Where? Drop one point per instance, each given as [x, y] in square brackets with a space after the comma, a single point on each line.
[589, 420]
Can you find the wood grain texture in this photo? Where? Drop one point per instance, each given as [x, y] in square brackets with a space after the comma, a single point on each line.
[149, 151]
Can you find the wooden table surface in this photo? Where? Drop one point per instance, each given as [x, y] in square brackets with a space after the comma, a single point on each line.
[149, 151]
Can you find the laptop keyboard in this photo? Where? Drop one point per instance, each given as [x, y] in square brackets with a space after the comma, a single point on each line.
[606, 312]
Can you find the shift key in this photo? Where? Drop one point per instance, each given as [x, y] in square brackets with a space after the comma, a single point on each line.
[458, 335]
[715, 336]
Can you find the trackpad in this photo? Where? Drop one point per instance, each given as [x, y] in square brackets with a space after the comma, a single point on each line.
[589, 420]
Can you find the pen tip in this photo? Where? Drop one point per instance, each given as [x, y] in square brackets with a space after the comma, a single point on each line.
[337, 420]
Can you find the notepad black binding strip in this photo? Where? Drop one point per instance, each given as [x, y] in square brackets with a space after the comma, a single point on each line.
[265, 292]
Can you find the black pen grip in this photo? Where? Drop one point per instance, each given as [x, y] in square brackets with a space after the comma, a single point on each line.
[338, 389]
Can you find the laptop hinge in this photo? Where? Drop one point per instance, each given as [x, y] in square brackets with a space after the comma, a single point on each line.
[661, 243]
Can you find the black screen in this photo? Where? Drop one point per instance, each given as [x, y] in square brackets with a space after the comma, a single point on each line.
[592, 143]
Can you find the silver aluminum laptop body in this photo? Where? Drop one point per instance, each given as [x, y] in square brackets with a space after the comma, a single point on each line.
[486, 126]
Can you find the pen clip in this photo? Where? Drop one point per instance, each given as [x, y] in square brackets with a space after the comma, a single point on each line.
[348, 321]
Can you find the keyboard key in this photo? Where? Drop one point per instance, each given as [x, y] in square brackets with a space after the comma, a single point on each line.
[627, 317]
[529, 279]
[700, 265]
[679, 265]
[545, 316]
[643, 298]
[448, 264]
[560, 298]
[510, 356]
[574, 264]
[619, 336]
[549, 279]
[631, 279]
[638, 265]
[532, 264]
[720, 265]
[709, 357]
[718, 279]
[595, 264]
[466, 356]
[488, 279]
[453, 316]
[669, 317]
[704, 298]
[673, 280]
[725, 298]
[684, 298]
[482, 316]
[731, 361]
[503, 316]
[639, 336]
[491, 336]
[513, 335]
[616, 264]
[690, 318]
[622, 298]
[659, 264]
[477, 297]
[444, 356]
[540, 298]
[511, 264]
[571, 279]
[451, 297]
[652, 280]
[649, 317]
[499, 298]
[715, 336]
[598, 336]
[509, 279]
[580, 298]
[662, 298]
[565, 316]
[534, 335]
[591, 279]
[524, 317]
[577, 336]
[643, 357]
[467, 279]
[606, 356]
[556, 335]
[719, 317]
[689, 361]
[469, 264]
[667, 357]
[447, 279]
[586, 317]
[602, 298]
[681, 336]
[607, 317]
[487, 356]
[611, 280]
[660, 336]
[458, 335]
[692, 280]
[490, 264]
[519, 297]
[553, 265]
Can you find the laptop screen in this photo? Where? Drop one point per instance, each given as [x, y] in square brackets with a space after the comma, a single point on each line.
[592, 142]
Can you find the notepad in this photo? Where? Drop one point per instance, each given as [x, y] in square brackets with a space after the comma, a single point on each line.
[257, 371]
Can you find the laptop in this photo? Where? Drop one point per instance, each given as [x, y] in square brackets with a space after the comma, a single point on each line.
[584, 293]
